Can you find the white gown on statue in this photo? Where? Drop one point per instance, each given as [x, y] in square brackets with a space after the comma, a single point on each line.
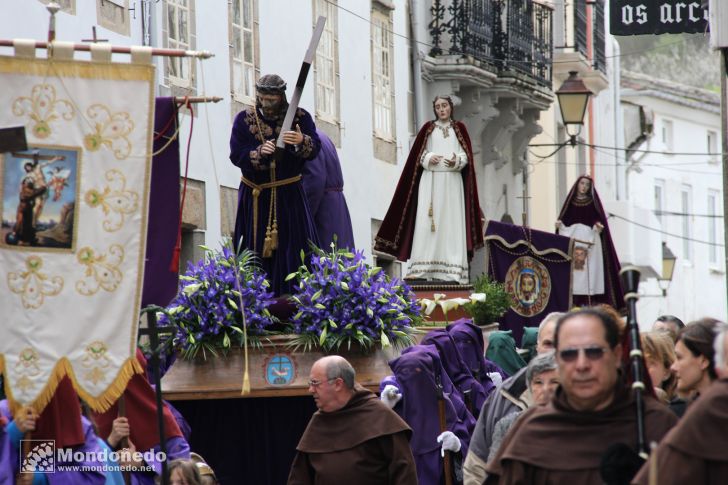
[588, 279]
[440, 253]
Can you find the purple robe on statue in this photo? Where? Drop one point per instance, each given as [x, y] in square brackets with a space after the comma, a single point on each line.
[417, 372]
[589, 211]
[323, 183]
[469, 340]
[459, 372]
[290, 210]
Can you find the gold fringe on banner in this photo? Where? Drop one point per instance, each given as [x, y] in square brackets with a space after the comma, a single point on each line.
[62, 369]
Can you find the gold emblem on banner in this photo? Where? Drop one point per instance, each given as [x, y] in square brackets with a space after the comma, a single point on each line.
[114, 199]
[32, 285]
[110, 130]
[43, 108]
[102, 270]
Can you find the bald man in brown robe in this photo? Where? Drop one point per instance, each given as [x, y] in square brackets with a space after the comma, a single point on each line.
[353, 439]
[565, 441]
[696, 451]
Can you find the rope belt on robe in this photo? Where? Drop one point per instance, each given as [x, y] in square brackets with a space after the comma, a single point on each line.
[270, 242]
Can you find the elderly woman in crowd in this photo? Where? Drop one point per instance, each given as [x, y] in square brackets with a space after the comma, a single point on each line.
[695, 357]
[542, 378]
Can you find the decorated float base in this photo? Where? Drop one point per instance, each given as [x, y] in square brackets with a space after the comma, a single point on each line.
[275, 370]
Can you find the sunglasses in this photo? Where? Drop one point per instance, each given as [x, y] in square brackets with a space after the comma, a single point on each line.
[592, 353]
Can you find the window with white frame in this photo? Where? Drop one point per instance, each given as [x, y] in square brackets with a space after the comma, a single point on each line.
[244, 50]
[667, 134]
[711, 145]
[382, 75]
[179, 36]
[327, 63]
[659, 203]
[685, 209]
[712, 227]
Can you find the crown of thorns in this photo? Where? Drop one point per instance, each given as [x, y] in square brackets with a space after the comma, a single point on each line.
[270, 83]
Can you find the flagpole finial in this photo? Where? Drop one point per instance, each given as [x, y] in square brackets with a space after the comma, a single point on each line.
[52, 8]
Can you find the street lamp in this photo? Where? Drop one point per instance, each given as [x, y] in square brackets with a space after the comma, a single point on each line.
[668, 268]
[573, 97]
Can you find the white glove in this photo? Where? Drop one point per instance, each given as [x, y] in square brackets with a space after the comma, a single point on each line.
[449, 441]
[496, 378]
[391, 395]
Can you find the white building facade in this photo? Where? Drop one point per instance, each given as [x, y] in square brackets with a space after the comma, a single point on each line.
[675, 196]
[377, 68]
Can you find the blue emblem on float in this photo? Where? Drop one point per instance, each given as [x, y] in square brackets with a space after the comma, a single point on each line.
[280, 370]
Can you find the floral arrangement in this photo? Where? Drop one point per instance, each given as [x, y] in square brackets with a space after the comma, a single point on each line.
[206, 311]
[494, 304]
[341, 299]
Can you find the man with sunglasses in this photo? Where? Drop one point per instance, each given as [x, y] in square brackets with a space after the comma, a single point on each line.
[353, 438]
[566, 440]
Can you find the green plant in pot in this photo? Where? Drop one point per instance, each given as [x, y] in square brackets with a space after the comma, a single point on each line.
[496, 302]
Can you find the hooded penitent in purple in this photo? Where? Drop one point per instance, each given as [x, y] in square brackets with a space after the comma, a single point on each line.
[8, 457]
[588, 211]
[459, 372]
[323, 183]
[91, 444]
[469, 341]
[418, 373]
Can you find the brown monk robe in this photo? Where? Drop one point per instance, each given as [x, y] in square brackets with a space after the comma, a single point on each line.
[696, 451]
[557, 445]
[363, 443]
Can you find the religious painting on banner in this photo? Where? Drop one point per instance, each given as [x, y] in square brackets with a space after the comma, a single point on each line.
[74, 224]
[535, 268]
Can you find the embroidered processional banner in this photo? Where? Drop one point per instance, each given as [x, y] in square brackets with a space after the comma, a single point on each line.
[74, 224]
[535, 267]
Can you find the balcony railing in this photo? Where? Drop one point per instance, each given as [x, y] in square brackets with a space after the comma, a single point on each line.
[508, 35]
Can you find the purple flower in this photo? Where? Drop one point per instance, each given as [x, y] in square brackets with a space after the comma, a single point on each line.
[341, 299]
[206, 311]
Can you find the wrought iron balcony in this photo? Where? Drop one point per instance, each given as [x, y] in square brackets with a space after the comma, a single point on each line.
[509, 36]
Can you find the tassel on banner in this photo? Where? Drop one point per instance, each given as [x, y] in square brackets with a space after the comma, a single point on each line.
[274, 237]
[267, 244]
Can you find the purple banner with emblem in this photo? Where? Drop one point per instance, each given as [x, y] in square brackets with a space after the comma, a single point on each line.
[535, 267]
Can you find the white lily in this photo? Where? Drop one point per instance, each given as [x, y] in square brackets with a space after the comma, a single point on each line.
[427, 305]
[477, 298]
[452, 304]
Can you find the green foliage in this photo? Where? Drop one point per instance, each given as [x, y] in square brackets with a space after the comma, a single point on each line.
[497, 301]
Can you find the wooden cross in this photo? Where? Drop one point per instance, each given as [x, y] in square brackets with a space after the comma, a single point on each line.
[525, 196]
[95, 39]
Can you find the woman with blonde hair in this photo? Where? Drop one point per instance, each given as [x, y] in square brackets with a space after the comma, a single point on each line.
[659, 352]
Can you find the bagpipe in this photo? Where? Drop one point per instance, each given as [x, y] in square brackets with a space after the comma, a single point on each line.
[621, 462]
